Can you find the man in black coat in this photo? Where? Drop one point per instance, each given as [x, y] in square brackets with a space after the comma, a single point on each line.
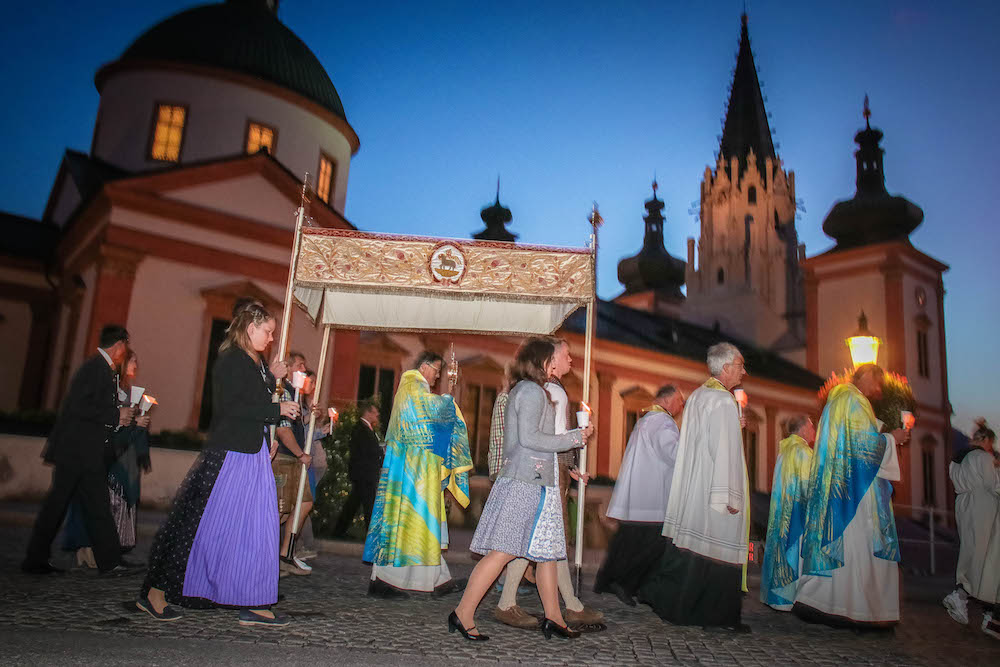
[365, 468]
[76, 447]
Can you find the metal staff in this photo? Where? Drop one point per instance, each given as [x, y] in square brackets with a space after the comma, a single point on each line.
[286, 313]
[309, 440]
[596, 221]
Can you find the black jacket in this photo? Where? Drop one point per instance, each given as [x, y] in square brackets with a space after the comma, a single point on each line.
[241, 403]
[366, 454]
[88, 414]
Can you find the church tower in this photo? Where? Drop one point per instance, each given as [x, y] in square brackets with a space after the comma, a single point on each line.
[747, 280]
[876, 271]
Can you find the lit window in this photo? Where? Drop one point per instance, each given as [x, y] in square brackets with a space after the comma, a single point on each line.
[260, 137]
[168, 133]
[324, 184]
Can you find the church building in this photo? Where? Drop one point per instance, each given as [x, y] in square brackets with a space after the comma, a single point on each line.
[183, 203]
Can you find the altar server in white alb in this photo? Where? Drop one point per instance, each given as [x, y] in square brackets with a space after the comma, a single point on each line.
[702, 573]
[639, 501]
[850, 551]
[976, 477]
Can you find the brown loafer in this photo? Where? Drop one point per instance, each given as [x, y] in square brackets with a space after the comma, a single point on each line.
[586, 616]
[517, 618]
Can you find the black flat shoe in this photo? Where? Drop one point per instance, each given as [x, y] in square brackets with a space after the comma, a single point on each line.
[379, 589]
[550, 627]
[40, 568]
[455, 624]
[451, 586]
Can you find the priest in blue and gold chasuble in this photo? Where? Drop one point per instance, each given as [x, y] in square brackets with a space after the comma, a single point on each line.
[786, 520]
[850, 550]
[849, 453]
[427, 451]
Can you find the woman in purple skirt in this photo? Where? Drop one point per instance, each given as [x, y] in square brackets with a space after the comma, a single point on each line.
[219, 546]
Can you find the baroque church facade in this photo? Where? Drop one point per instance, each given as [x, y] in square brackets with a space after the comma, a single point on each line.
[183, 203]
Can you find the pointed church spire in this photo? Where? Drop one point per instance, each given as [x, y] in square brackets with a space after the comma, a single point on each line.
[746, 128]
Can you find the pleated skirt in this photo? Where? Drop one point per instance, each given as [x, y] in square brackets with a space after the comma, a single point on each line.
[219, 545]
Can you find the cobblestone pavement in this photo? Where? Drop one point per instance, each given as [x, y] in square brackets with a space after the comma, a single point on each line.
[330, 611]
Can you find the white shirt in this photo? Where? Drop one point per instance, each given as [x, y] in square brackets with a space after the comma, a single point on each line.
[107, 357]
[558, 396]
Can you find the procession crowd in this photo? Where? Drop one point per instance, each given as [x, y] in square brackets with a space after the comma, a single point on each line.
[239, 521]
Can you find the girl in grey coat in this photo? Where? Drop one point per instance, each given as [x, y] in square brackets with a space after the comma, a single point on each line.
[523, 514]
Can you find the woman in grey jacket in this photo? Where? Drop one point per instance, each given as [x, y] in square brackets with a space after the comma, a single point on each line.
[523, 514]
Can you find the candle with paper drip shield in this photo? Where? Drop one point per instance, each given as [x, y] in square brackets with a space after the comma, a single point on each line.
[907, 419]
[146, 403]
[298, 381]
[741, 400]
[136, 395]
[333, 414]
[583, 416]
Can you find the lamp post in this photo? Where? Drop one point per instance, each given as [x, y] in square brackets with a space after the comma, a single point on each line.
[863, 343]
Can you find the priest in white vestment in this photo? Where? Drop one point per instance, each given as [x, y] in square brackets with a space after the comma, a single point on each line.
[976, 478]
[850, 550]
[702, 574]
[639, 500]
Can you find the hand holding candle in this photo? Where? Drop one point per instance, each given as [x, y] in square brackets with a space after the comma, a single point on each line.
[741, 402]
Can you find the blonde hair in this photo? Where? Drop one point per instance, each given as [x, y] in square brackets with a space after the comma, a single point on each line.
[236, 334]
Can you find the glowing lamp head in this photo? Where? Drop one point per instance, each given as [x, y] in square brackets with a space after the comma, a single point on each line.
[863, 344]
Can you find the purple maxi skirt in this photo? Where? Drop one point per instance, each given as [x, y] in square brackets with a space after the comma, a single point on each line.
[219, 546]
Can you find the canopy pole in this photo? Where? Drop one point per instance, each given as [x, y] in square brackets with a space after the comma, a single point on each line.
[595, 220]
[286, 313]
[321, 373]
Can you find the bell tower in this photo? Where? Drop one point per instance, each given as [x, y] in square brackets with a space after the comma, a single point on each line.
[746, 280]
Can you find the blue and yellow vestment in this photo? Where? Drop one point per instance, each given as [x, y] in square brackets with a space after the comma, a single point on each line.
[848, 454]
[427, 451]
[786, 522]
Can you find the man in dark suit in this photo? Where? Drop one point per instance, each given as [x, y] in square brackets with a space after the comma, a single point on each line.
[76, 447]
[365, 468]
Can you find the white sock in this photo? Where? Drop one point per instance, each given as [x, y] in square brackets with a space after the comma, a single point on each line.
[515, 571]
[566, 587]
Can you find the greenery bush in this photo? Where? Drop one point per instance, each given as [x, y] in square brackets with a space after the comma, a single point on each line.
[335, 486]
[27, 422]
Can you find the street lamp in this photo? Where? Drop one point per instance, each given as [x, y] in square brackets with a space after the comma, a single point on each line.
[863, 344]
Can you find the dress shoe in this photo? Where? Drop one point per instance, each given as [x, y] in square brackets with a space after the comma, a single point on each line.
[621, 594]
[550, 627]
[585, 616]
[293, 566]
[379, 589]
[450, 586]
[516, 618]
[455, 624]
[44, 567]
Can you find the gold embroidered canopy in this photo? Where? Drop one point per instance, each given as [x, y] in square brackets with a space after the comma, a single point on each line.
[352, 279]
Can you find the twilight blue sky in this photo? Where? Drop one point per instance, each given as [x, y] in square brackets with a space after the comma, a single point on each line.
[583, 101]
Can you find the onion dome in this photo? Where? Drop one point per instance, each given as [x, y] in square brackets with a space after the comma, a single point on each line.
[873, 215]
[653, 268]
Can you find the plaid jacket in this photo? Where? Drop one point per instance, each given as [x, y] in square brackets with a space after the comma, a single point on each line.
[495, 453]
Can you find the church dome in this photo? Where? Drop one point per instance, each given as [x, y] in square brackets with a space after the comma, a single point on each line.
[242, 36]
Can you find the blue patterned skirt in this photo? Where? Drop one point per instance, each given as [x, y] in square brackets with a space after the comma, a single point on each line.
[521, 519]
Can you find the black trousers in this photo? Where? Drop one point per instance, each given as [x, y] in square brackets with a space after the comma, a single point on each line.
[362, 495]
[90, 488]
[633, 551]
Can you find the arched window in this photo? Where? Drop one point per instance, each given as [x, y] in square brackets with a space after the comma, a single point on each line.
[721, 277]
[752, 195]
